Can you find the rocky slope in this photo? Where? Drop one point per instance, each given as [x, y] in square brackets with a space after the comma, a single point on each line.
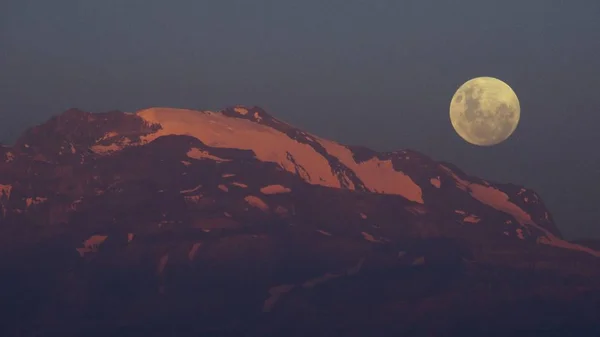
[221, 222]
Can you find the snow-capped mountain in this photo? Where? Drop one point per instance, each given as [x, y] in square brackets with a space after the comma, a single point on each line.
[80, 138]
[179, 199]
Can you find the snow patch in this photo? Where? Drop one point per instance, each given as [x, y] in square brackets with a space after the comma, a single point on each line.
[227, 175]
[323, 232]
[276, 293]
[239, 184]
[553, 241]
[5, 191]
[257, 202]
[416, 210]
[193, 250]
[377, 175]
[500, 201]
[317, 280]
[275, 189]
[92, 244]
[73, 205]
[110, 148]
[472, 219]
[223, 188]
[370, 237]
[130, 237]
[492, 197]
[162, 263]
[280, 210]
[191, 190]
[9, 157]
[107, 136]
[363, 215]
[106, 149]
[198, 154]
[354, 270]
[192, 199]
[186, 163]
[520, 234]
[267, 143]
[241, 111]
[34, 201]
[436, 182]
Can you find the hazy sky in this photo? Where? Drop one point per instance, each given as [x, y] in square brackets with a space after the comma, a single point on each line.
[378, 73]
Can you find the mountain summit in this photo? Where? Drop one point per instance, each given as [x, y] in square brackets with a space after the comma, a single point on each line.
[175, 202]
[80, 138]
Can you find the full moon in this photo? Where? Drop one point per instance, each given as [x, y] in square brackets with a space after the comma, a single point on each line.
[485, 111]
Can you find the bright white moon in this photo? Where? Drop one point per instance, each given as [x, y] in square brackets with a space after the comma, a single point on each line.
[485, 111]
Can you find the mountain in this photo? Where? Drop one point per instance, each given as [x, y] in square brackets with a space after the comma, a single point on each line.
[182, 222]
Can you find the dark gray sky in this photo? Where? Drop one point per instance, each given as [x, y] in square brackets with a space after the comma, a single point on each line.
[376, 73]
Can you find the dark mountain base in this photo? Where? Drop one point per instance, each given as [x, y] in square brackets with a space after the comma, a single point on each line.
[224, 295]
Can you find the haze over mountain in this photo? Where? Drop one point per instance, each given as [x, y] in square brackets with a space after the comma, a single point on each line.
[197, 222]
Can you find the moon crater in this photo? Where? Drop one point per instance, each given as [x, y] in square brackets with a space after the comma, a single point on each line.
[485, 111]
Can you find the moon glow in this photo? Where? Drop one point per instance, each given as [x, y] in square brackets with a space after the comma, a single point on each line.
[485, 111]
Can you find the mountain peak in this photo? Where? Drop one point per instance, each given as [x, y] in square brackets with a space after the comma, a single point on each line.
[240, 133]
[169, 202]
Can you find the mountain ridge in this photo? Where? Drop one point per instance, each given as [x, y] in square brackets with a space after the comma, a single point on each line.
[106, 141]
[102, 139]
[126, 223]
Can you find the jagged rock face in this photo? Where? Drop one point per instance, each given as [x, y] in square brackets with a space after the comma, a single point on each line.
[70, 134]
[233, 215]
